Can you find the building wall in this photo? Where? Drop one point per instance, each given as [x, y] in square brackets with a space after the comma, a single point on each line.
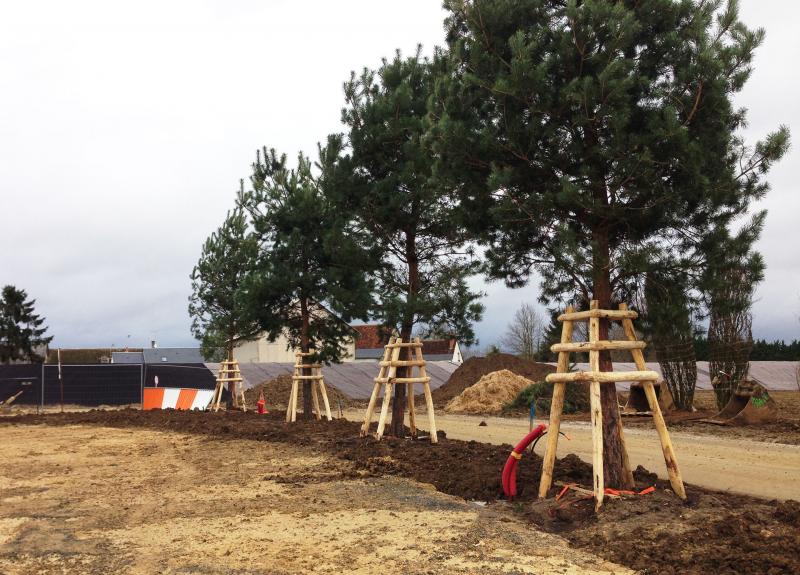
[264, 351]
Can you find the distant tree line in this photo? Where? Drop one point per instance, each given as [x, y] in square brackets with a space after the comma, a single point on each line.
[763, 350]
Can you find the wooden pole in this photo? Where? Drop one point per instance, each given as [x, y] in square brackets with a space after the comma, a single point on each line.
[556, 408]
[387, 396]
[315, 397]
[597, 413]
[291, 394]
[324, 392]
[384, 364]
[412, 420]
[391, 375]
[674, 473]
[60, 380]
[426, 387]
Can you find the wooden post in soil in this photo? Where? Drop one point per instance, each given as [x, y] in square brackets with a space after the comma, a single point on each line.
[376, 389]
[387, 379]
[556, 408]
[308, 372]
[674, 473]
[229, 375]
[596, 379]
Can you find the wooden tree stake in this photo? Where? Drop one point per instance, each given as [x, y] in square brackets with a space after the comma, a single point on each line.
[596, 378]
[229, 375]
[387, 379]
[556, 408]
[317, 387]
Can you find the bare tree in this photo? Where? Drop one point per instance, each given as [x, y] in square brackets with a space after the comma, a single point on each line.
[525, 333]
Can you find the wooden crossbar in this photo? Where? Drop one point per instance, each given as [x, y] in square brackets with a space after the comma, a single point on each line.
[403, 380]
[598, 313]
[402, 363]
[603, 376]
[579, 346]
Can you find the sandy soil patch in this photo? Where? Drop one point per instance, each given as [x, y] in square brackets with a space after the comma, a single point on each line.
[95, 500]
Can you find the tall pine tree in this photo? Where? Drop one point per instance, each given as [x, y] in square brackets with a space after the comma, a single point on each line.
[589, 138]
[216, 306]
[312, 276]
[394, 195]
[22, 332]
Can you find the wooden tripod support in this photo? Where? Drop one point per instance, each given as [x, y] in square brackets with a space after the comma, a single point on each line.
[387, 376]
[317, 387]
[229, 374]
[595, 378]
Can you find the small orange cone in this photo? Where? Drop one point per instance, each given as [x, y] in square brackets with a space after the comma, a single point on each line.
[261, 404]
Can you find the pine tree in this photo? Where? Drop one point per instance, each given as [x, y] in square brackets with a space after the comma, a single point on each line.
[668, 321]
[733, 270]
[426, 262]
[219, 313]
[590, 140]
[312, 276]
[21, 330]
[552, 336]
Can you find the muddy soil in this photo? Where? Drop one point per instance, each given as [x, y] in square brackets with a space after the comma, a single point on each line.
[474, 368]
[712, 532]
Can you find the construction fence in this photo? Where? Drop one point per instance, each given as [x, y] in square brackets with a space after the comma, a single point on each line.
[96, 384]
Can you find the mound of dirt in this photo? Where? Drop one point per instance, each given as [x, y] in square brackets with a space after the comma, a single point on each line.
[475, 368]
[490, 395]
[276, 394]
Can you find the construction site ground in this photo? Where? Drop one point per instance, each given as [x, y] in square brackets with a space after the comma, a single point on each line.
[770, 470]
[174, 492]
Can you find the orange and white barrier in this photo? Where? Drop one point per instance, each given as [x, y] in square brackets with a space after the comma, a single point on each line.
[176, 398]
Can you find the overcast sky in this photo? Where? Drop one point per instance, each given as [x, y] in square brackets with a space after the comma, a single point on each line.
[126, 126]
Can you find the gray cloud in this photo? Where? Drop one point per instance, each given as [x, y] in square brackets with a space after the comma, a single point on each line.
[126, 127]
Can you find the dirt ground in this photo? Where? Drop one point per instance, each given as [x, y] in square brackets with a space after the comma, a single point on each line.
[769, 470]
[99, 500]
[713, 532]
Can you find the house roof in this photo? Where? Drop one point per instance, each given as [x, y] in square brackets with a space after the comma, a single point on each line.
[160, 355]
[369, 336]
[173, 355]
[127, 357]
[438, 346]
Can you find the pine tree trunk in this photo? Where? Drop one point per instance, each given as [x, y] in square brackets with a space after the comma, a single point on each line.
[612, 442]
[231, 385]
[304, 347]
[397, 426]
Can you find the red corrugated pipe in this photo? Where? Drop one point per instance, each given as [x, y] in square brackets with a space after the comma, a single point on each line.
[510, 469]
